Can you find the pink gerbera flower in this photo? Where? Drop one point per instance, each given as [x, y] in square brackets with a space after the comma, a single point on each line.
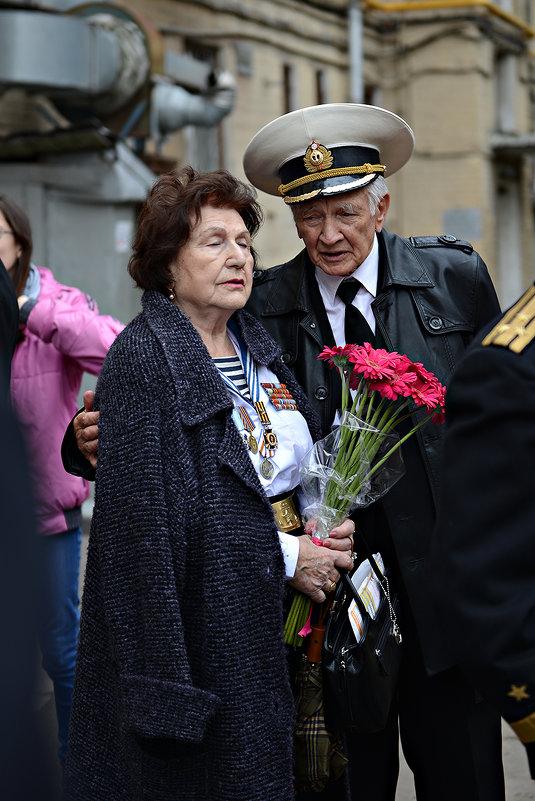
[373, 363]
[337, 356]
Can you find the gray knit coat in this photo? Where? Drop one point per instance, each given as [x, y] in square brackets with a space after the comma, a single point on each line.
[181, 689]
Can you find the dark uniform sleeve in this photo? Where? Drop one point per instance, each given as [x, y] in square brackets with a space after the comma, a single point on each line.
[73, 460]
[9, 322]
[483, 561]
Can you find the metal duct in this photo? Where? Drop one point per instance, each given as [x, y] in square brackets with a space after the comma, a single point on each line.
[173, 107]
[98, 61]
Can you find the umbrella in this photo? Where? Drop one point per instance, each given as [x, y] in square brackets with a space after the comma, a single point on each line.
[318, 753]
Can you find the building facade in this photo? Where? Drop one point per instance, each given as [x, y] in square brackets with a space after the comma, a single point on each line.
[97, 99]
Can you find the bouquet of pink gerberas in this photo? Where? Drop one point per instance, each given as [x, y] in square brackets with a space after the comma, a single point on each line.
[360, 460]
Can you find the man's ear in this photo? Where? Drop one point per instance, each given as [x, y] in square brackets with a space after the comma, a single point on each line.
[382, 211]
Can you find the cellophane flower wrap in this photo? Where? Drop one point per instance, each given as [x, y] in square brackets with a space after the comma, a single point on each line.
[360, 460]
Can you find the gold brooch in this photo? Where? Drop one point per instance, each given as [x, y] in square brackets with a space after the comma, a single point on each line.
[317, 157]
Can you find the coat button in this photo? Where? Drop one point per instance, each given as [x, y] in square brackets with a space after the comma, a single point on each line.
[321, 393]
[436, 323]
[447, 238]
[286, 357]
[312, 325]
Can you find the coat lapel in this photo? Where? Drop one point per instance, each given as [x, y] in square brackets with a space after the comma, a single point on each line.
[200, 391]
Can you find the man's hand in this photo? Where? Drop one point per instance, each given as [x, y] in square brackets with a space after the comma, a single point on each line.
[317, 567]
[86, 429]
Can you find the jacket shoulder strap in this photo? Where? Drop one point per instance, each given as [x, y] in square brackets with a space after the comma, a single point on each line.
[444, 240]
[516, 329]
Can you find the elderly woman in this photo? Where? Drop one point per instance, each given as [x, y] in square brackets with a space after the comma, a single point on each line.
[181, 689]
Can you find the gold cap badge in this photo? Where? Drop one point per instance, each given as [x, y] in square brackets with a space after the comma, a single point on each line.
[317, 157]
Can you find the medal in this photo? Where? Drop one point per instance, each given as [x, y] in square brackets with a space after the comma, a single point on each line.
[268, 442]
[267, 469]
[270, 438]
[248, 428]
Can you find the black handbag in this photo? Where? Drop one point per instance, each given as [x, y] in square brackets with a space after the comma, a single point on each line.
[360, 678]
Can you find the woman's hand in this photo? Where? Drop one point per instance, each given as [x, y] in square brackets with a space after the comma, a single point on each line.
[86, 429]
[341, 537]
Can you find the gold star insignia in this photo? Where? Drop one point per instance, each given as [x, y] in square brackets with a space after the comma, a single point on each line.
[519, 693]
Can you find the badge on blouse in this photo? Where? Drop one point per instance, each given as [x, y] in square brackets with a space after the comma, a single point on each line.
[280, 397]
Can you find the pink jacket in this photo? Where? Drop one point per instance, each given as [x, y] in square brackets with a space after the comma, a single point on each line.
[64, 337]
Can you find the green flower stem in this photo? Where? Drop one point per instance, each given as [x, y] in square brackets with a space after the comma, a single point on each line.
[345, 386]
[397, 445]
[367, 443]
[297, 617]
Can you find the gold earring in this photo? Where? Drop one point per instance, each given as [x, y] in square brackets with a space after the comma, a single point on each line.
[171, 294]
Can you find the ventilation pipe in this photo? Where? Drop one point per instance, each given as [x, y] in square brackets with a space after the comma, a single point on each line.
[172, 107]
[100, 61]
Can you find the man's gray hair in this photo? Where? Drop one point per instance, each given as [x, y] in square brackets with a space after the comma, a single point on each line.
[376, 192]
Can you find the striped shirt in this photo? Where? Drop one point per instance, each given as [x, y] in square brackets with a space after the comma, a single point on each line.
[231, 366]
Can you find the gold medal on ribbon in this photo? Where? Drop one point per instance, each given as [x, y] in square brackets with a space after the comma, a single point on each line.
[253, 444]
[270, 438]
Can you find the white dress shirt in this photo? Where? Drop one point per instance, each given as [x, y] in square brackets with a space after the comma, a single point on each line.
[367, 274]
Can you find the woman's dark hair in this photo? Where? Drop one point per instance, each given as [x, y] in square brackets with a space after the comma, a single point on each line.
[170, 212]
[18, 221]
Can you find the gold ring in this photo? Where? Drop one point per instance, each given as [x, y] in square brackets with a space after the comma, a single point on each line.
[332, 587]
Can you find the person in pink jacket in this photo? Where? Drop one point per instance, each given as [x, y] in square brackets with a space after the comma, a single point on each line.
[61, 336]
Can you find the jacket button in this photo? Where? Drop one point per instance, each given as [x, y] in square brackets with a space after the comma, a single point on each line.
[436, 323]
[286, 357]
[447, 238]
[321, 393]
[312, 325]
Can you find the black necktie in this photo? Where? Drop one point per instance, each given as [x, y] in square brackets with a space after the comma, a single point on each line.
[357, 329]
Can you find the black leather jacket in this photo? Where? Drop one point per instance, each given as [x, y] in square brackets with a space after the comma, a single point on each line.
[436, 293]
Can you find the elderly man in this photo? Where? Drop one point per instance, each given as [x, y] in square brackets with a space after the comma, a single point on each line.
[483, 557]
[425, 297]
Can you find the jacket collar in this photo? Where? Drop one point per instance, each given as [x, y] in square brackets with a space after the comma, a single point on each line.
[290, 290]
[201, 392]
[401, 263]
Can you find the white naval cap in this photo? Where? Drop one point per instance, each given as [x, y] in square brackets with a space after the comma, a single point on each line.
[326, 150]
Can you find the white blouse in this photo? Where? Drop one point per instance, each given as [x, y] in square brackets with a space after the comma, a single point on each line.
[293, 440]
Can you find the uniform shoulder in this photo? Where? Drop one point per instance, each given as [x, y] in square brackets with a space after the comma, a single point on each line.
[441, 241]
[515, 330]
